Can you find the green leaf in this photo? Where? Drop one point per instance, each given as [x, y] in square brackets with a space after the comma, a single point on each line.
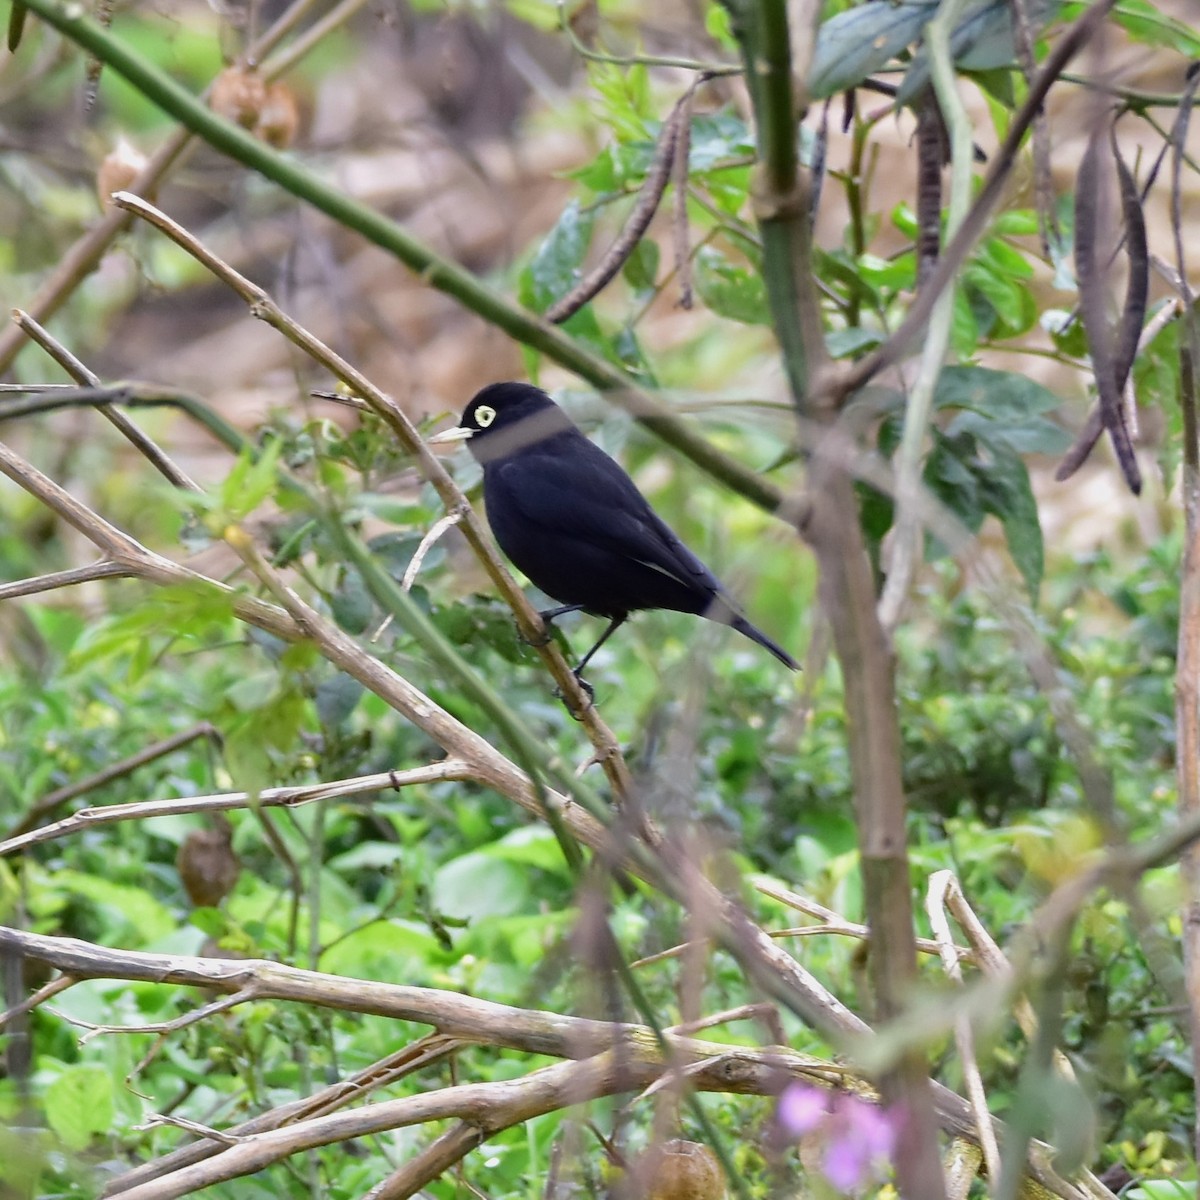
[717, 138]
[1163, 1189]
[1034, 435]
[1145, 23]
[350, 603]
[599, 175]
[845, 343]
[898, 273]
[24, 1158]
[981, 41]
[729, 188]
[1011, 303]
[1006, 492]
[557, 264]
[856, 43]
[1066, 331]
[625, 102]
[1005, 259]
[531, 846]
[122, 905]
[251, 481]
[187, 612]
[718, 27]
[905, 219]
[270, 712]
[730, 291]
[477, 885]
[999, 395]
[964, 327]
[79, 1104]
[999, 84]
[950, 476]
[372, 856]
[1016, 222]
[480, 622]
[384, 950]
[641, 267]
[336, 699]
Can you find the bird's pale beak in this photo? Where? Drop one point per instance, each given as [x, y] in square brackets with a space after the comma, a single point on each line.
[460, 433]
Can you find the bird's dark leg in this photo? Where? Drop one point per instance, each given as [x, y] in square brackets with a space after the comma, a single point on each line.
[548, 615]
[552, 614]
[613, 626]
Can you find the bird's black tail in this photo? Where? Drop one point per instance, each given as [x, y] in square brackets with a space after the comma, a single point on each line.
[756, 635]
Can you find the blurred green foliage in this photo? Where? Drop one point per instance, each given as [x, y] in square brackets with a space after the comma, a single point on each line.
[447, 885]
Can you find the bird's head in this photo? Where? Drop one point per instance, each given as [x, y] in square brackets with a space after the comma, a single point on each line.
[505, 418]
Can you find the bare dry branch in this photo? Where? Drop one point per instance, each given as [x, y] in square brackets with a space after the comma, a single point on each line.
[262, 306]
[61, 579]
[280, 797]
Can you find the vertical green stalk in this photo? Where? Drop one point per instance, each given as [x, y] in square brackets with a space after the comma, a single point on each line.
[907, 540]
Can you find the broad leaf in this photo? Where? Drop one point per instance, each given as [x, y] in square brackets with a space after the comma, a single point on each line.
[857, 42]
[730, 291]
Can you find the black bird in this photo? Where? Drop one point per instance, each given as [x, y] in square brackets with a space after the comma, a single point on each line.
[569, 517]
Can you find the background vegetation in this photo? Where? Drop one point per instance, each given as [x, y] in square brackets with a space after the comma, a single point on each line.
[291, 594]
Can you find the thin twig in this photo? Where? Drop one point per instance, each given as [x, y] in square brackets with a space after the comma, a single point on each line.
[439, 527]
[679, 216]
[136, 437]
[60, 579]
[908, 542]
[46, 992]
[644, 208]
[52, 801]
[223, 1004]
[714, 69]
[278, 797]
[423, 1052]
[263, 307]
[935, 907]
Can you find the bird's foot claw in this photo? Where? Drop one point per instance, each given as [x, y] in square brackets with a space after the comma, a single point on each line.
[588, 691]
[536, 642]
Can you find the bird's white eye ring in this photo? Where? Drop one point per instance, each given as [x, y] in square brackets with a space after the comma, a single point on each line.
[485, 414]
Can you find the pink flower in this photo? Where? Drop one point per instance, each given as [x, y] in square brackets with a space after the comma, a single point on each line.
[858, 1137]
[801, 1109]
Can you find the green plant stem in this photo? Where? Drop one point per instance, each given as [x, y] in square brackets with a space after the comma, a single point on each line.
[529, 754]
[847, 588]
[908, 542]
[1031, 1109]
[857, 229]
[781, 198]
[446, 276]
[127, 395]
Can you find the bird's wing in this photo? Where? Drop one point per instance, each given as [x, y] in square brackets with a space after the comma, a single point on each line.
[585, 494]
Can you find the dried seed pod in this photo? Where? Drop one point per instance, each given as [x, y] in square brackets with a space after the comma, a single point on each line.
[121, 166]
[685, 1171]
[207, 864]
[279, 118]
[238, 95]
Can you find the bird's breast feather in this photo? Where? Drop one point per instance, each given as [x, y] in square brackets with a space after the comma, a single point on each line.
[592, 499]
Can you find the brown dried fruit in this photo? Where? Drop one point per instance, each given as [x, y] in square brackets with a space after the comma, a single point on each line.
[121, 166]
[207, 864]
[238, 95]
[279, 118]
[685, 1171]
